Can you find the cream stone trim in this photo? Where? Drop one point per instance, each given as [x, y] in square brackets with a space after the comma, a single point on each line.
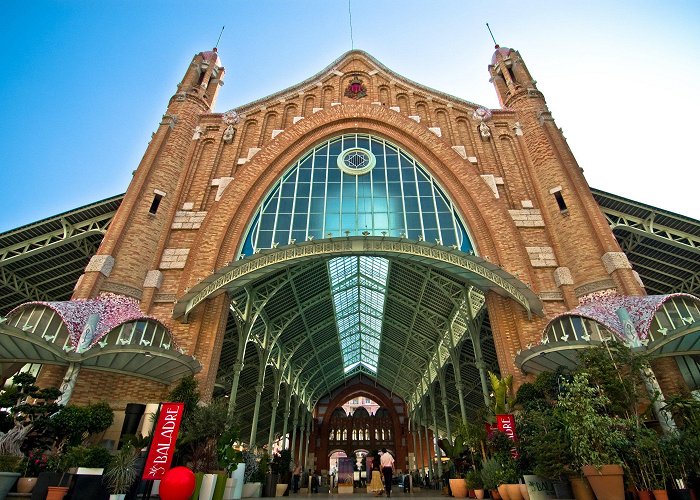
[100, 263]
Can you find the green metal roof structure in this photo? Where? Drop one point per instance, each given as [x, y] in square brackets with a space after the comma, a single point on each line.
[329, 326]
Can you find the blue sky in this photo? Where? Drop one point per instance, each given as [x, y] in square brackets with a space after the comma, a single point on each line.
[84, 83]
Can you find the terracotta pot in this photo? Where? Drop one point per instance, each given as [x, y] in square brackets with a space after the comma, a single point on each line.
[644, 494]
[513, 490]
[523, 491]
[26, 484]
[479, 494]
[503, 491]
[459, 488]
[56, 492]
[607, 481]
[582, 490]
[660, 494]
[495, 494]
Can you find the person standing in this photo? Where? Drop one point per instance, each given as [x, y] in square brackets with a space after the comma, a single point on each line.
[387, 463]
[296, 475]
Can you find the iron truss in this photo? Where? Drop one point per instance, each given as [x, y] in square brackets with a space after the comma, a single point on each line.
[43, 260]
[663, 247]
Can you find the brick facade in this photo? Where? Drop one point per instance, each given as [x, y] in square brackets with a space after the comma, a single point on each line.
[508, 175]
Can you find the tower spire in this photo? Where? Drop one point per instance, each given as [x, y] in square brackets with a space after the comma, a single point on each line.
[216, 47]
[492, 37]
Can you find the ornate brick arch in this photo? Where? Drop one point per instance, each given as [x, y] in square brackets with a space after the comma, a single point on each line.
[491, 228]
[342, 397]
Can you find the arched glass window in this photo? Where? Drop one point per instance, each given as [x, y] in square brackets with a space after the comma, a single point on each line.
[355, 184]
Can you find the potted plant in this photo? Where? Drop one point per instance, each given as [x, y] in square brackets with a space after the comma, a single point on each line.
[595, 436]
[252, 486]
[30, 467]
[284, 469]
[120, 473]
[491, 475]
[680, 449]
[229, 483]
[455, 452]
[203, 434]
[18, 420]
[475, 482]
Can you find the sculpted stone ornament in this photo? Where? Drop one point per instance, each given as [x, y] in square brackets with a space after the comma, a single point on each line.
[356, 89]
[484, 130]
[197, 133]
[228, 134]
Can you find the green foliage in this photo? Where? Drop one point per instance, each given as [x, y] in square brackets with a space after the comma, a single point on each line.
[21, 419]
[615, 370]
[200, 433]
[501, 398]
[73, 425]
[85, 456]
[228, 456]
[474, 480]
[543, 443]
[187, 392]
[9, 463]
[644, 459]
[137, 441]
[595, 436]
[491, 473]
[263, 468]
[120, 473]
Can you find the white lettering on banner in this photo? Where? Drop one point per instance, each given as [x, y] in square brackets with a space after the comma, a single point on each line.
[161, 453]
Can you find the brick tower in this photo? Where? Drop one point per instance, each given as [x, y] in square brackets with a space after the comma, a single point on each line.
[127, 261]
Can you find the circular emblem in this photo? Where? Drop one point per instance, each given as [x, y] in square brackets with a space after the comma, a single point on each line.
[231, 118]
[482, 114]
[356, 161]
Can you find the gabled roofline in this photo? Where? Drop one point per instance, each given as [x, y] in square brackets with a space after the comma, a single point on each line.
[349, 54]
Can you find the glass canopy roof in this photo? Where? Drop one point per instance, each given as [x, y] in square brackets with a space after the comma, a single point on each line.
[358, 287]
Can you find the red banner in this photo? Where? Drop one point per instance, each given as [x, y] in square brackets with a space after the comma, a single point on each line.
[506, 424]
[160, 455]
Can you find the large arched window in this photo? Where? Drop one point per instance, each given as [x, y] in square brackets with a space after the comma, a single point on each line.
[356, 184]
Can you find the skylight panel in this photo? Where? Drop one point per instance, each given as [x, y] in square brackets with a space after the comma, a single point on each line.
[358, 287]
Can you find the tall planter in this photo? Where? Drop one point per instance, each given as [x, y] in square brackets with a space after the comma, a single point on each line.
[581, 488]
[459, 488]
[7, 481]
[607, 481]
[270, 486]
[56, 492]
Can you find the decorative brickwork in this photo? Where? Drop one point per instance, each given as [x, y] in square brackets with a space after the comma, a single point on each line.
[606, 285]
[507, 173]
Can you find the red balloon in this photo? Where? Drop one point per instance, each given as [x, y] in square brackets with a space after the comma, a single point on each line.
[177, 484]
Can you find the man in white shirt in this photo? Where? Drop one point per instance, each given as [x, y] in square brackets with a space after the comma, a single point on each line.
[387, 464]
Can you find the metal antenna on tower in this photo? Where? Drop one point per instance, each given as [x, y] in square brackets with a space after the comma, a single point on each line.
[352, 41]
[491, 33]
[219, 39]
